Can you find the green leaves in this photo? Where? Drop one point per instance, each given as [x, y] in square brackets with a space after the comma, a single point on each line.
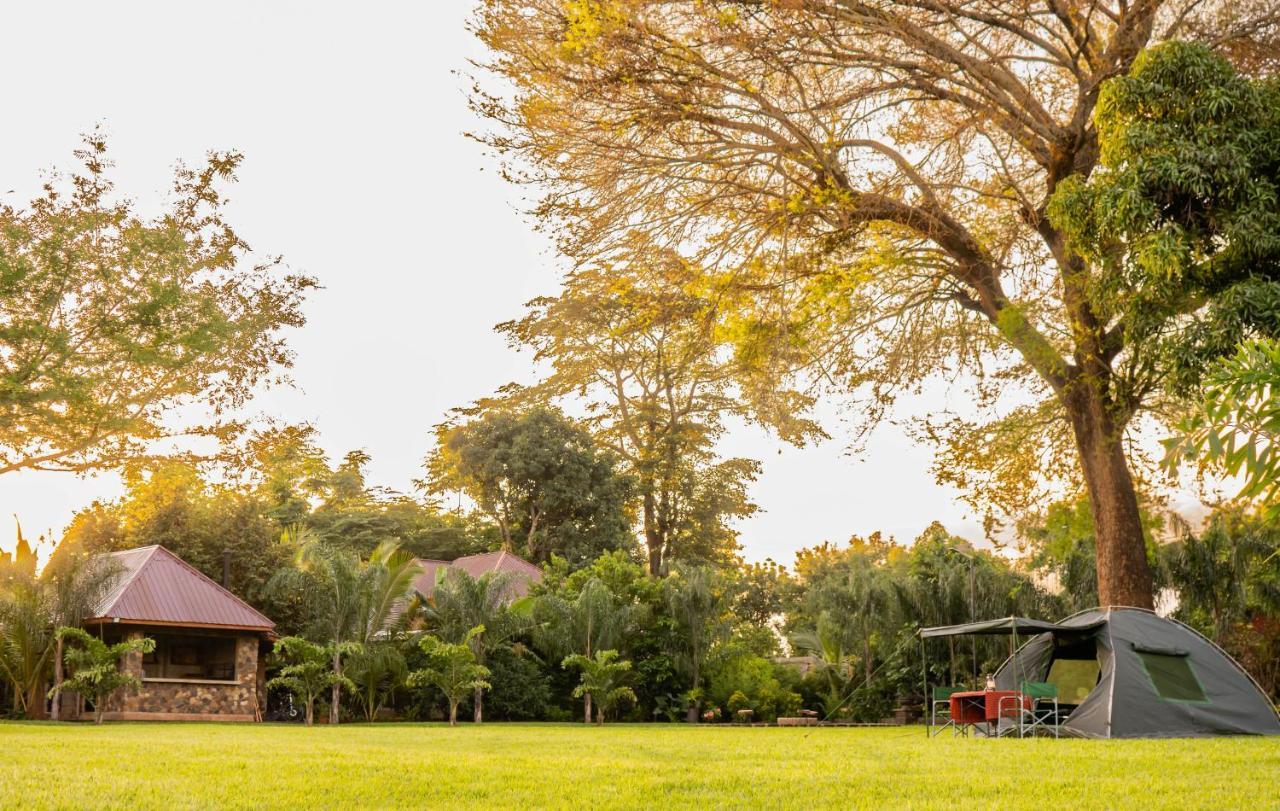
[110, 322]
[601, 678]
[94, 666]
[452, 668]
[1236, 425]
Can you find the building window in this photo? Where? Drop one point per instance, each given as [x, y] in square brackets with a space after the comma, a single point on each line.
[204, 658]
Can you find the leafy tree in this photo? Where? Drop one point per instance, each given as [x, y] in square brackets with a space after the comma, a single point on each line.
[113, 323]
[173, 504]
[308, 670]
[521, 685]
[601, 679]
[461, 603]
[539, 477]
[1226, 573]
[1059, 543]
[637, 338]
[873, 181]
[452, 668]
[1237, 426]
[95, 666]
[762, 592]
[376, 671]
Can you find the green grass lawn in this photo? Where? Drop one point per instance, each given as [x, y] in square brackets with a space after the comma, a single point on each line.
[623, 766]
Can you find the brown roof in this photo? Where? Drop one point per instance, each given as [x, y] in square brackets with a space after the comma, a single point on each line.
[476, 565]
[157, 586]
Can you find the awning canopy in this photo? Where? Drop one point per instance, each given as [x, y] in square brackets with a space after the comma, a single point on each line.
[1004, 627]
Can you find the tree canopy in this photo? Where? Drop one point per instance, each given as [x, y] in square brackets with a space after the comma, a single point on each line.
[539, 477]
[114, 327]
[875, 178]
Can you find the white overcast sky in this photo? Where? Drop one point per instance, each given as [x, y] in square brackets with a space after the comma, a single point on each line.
[352, 120]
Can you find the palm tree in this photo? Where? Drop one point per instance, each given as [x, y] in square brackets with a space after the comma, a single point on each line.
[828, 643]
[594, 620]
[306, 672]
[33, 607]
[376, 670]
[698, 601]
[354, 601]
[452, 668]
[95, 666]
[460, 603]
[602, 677]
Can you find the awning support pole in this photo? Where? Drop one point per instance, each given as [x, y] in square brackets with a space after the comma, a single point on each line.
[928, 699]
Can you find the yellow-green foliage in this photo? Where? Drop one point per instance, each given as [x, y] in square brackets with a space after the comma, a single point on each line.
[174, 766]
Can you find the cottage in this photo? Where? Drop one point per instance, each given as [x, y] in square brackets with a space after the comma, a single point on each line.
[208, 663]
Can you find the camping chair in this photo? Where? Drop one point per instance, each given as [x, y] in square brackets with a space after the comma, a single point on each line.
[942, 698]
[1041, 710]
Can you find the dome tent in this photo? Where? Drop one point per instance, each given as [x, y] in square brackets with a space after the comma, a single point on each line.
[1129, 673]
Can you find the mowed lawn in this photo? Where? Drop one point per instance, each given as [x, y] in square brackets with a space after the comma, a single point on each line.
[624, 766]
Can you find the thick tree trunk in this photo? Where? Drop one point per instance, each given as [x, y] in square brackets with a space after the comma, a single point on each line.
[453, 713]
[1124, 575]
[311, 712]
[478, 702]
[600, 717]
[586, 708]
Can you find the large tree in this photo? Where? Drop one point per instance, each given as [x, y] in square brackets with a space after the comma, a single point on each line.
[877, 177]
[113, 325]
[539, 476]
[636, 340]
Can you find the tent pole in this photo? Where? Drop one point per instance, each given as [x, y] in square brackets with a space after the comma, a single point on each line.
[928, 699]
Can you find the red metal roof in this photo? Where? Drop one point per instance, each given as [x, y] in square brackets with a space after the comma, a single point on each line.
[476, 565]
[156, 586]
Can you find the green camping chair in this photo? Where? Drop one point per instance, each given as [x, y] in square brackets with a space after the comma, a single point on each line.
[1042, 712]
[942, 698]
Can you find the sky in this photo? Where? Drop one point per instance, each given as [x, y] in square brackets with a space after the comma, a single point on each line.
[352, 120]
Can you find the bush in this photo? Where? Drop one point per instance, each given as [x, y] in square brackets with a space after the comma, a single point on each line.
[746, 681]
[521, 686]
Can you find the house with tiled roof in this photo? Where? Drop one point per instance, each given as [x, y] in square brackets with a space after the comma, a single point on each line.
[523, 573]
[208, 663]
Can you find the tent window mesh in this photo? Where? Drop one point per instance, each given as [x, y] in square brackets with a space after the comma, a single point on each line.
[1172, 677]
[1074, 678]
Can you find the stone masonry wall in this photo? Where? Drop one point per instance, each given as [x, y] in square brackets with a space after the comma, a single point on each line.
[237, 701]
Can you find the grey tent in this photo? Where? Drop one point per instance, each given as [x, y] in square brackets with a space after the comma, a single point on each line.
[1129, 673]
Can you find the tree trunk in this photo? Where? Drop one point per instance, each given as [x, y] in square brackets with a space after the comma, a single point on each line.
[453, 713]
[652, 536]
[336, 693]
[97, 712]
[1124, 575]
[586, 708]
[311, 712]
[55, 705]
[866, 660]
[478, 701]
[600, 716]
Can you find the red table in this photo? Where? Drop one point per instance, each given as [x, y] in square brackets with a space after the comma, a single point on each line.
[982, 706]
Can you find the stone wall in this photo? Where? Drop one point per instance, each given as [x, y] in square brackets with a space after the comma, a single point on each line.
[191, 700]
